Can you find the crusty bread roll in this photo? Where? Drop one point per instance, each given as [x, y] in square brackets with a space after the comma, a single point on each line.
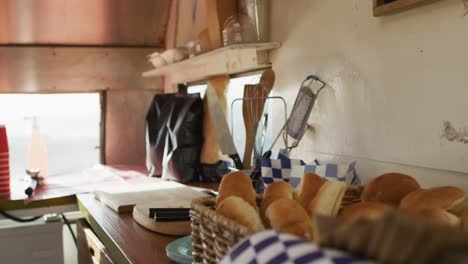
[389, 188]
[236, 184]
[273, 192]
[286, 215]
[444, 197]
[460, 208]
[437, 215]
[328, 199]
[464, 220]
[237, 209]
[369, 210]
[308, 188]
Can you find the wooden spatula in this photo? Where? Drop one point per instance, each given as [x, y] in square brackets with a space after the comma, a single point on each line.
[247, 113]
[252, 110]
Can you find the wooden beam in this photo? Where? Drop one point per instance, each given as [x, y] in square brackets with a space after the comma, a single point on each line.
[66, 70]
[216, 11]
[229, 60]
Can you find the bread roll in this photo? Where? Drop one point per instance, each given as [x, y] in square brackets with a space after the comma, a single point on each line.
[437, 215]
[238, 210]
[368, 210]
[308, 188]
[389, 188]
[286, 215]
[273, 192]
[445, 197]
[236, 184]
[460, 208]
[464, 220]
[328, 198]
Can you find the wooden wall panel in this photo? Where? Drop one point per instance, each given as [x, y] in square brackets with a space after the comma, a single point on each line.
[84, 22]
[51, 70]
[125, 126]
[171, 28]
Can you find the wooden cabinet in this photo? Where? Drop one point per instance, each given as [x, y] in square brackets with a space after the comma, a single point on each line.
[90, 248]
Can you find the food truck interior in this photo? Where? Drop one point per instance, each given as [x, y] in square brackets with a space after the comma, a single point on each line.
[233, 131]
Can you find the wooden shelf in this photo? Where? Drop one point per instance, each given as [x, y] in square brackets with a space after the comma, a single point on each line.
[381, 9]
[228, 60]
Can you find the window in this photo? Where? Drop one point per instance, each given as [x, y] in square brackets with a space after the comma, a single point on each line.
[69, 125]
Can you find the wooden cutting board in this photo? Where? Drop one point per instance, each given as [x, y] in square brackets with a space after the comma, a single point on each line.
[166, 193]
[182, 199]
[177, 228]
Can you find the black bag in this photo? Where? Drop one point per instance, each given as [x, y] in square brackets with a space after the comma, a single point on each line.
[175, 132]
[156, 120]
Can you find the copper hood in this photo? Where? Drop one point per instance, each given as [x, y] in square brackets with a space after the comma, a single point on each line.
[83, 22]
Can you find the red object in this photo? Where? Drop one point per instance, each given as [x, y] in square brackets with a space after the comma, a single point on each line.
[3, 140]
[4, 162]
[4, 179]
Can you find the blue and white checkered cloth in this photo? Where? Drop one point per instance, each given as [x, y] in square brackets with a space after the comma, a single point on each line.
[272, 247]
[291, 170]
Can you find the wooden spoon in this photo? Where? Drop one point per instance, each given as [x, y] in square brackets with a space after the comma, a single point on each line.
[252, 111]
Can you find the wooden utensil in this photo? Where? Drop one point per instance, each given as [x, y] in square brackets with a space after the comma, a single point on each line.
[252, 110]
[247, 106]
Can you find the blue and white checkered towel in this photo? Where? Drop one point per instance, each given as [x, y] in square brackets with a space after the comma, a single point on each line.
[291, 170]
[272, 247]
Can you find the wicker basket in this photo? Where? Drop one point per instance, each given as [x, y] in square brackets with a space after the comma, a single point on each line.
[213, 235]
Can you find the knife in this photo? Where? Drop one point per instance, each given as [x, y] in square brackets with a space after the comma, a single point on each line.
[221, 128]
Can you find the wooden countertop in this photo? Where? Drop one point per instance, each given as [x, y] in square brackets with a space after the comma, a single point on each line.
[60, 189]
[126, 241]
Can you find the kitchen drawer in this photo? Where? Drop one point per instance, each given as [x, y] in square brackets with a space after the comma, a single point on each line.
[98, 252]
[91, 249]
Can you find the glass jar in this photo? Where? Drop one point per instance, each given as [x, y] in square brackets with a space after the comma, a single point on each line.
[257, 12]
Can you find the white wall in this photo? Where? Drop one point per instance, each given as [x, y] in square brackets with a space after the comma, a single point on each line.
[392, 81]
